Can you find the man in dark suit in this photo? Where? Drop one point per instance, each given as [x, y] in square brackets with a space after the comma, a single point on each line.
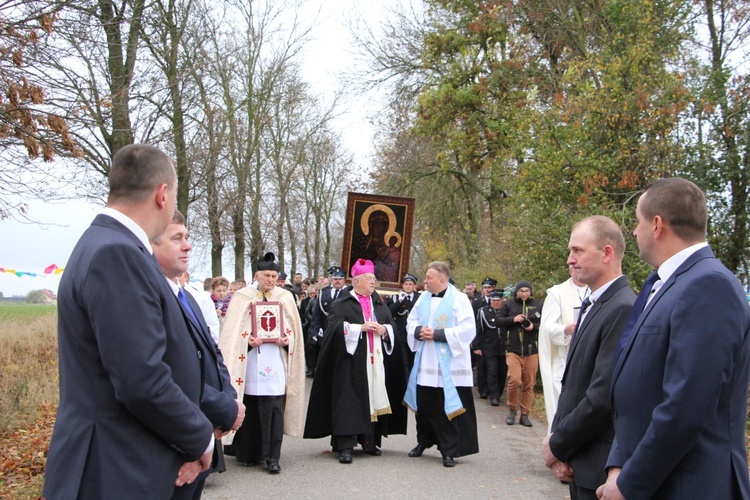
[481, 300]
[679, 387]
[489, 345]
[128, 423]
[400, 305]
[320, 312]
[582, 431]
[219, 402]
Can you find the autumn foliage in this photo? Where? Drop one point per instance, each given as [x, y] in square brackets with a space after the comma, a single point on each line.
[23, 117]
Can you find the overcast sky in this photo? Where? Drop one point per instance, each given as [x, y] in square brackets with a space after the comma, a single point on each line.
[33, 247]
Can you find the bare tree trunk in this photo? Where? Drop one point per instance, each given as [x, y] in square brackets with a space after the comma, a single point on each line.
[121, 59]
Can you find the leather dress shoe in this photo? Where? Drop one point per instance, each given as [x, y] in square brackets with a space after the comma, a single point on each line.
[375, 453]
[482, 395]
[511, 418]
[418, 450]
[525, 420]
[273, 467]
[494, 402]
[345, 456]
[448, 461]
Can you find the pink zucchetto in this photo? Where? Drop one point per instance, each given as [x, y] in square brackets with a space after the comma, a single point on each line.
[363, 266]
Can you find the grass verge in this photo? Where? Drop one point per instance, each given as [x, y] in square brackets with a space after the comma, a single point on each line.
[28, 397]
[13, 311]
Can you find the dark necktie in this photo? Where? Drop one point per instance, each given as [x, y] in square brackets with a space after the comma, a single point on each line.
[584, 305]
[336, 295]
[638, 305]
[186, 305]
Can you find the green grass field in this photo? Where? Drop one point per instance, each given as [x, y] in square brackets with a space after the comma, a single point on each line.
[10, 311]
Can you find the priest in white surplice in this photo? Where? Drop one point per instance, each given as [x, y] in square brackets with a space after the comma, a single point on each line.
[440, 329]
[269, 376]
[559, 316]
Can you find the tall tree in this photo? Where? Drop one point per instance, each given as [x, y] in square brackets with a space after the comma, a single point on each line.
[724, 105]
[164, 31]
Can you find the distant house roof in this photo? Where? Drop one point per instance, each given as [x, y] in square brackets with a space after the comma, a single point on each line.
[50, 294]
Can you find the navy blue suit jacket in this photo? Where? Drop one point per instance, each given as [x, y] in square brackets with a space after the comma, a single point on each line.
[219, 397]
[679, 389]
[130, 375]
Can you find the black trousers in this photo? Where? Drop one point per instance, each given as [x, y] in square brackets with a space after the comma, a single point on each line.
[580, 493]
[482, 376]
[454, 438]
[368, 441]
[497, 372]
[259, 438]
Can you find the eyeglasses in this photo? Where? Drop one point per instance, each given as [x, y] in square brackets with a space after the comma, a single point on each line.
[371, 279]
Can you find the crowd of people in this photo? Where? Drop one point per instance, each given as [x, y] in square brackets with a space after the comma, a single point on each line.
[646, 395]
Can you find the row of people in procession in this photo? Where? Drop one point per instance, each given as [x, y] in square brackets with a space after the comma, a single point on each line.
[145, 392]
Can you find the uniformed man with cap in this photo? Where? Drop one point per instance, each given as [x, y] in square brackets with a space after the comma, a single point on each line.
[400, 306]
[320, 311]
[488, 286]
[281, 281]
[490, 347]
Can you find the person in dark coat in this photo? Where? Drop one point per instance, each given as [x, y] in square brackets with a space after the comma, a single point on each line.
[520, 318]
[360, 379]
[219, 402]
[582, 428]
[489, 344]
[482, 299]
[400, 306]
[319, 317]
[129, 422]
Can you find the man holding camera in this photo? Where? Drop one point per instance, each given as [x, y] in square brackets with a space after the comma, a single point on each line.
[520, 319]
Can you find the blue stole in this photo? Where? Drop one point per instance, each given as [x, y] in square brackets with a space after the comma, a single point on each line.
[443, 319]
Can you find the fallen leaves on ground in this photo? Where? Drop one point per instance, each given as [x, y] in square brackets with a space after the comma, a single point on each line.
[24, 455]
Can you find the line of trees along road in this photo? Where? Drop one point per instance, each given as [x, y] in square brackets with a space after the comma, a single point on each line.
[215, 84]
[508, 120]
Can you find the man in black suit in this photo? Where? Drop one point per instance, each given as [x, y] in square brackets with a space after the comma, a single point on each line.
[481, 300]
[582, 430]
[219, 401]
[128, 423]
[400, 305]
[321, 310]
[489, 345]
